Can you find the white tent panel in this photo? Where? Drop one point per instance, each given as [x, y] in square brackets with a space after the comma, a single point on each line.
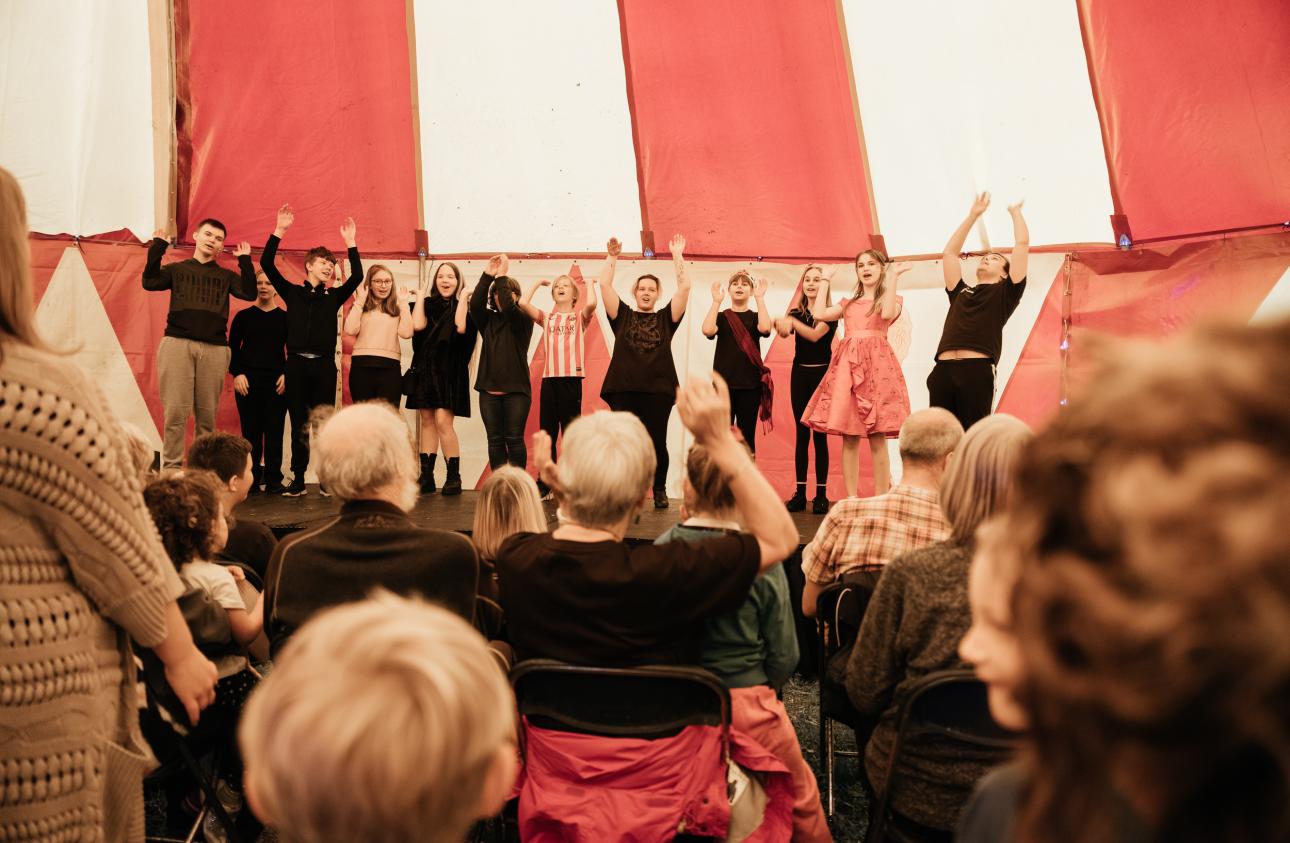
[76, 113]
[525, 133]
[958, 98]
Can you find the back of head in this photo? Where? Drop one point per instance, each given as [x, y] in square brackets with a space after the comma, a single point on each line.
[365, 449]
[220, 453]
[712, 492]
[184, 506]
[385, 720]
[606, 464]
[982, 473]
[17, 311]
[1152, 603]
[508, 503]
[928, 436]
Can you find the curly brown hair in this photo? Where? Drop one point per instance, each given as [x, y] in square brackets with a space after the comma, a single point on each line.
[1152, 599]
[184, 506]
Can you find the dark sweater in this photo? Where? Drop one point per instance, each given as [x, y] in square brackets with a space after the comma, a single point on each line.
[251, 543]
[505, 334]
[198, 293]
[311, 311]
[258, 339]
[912, 627]
[371, 544]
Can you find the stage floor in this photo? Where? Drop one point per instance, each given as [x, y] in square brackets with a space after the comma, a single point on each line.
[286, 515]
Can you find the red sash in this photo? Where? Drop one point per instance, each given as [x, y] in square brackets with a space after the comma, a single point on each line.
[752, 351]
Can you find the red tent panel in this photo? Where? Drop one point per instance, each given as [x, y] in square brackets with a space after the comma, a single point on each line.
[747, 139]
[1193, 99]
[310, 108]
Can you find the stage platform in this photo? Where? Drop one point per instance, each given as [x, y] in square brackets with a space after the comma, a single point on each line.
[286, 515]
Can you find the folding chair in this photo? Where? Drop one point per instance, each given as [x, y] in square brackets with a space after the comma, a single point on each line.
[838, 612]
[948, 706]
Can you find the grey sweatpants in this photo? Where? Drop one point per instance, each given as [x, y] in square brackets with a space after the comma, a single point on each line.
[190, 377]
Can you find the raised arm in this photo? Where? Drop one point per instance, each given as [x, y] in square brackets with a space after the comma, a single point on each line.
[763, 315]
[589, 300]
[405, 312]
[709, 326]
[822, 311]
[244, 288]
[889, 307]
[156, 276]
[951, 267]
[479, 298]
[419, 320]
[704, 407]
[682, 297]
[354, 319]
[1019, 260]
[267, 258]
[526, 300]
[459, 315]
[349, 231]
[606, 280]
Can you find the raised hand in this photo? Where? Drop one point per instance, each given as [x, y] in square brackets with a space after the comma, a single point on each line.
[718, 292]
[613, 247]
[704, 407]
[1015, 208]
[760, 288]
[243, 248]
[544, 282]
[285, 218]
[241, 385]
[541, 450]
[494, 266]
[899, 268]
[980, 204]
[677, 245]
[408, 295]
[349, 231]
[360, 295]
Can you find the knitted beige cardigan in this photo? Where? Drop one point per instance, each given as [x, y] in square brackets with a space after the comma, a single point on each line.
[81, 568]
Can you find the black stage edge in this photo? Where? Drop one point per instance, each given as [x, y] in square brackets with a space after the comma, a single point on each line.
[286, 515]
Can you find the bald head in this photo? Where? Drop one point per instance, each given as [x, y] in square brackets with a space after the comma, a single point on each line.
[364, 452]
[928, 436]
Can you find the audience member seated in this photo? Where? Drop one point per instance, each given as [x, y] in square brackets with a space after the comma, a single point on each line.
[861, 532]
[1131, 612]
[508, 503]
[384, 720]
[916, 617]
[753, 649]
[366, 459]
[581, 594]
[228, 457]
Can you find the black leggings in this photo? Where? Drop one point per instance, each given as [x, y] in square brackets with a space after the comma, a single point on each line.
[802, 385]
[744, 404]
[504, 417]
[375, 378]
[311, 382]
[653, 409]
[560, 402]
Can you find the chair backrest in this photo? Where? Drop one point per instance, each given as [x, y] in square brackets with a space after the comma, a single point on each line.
[638, 702]
[840, 608]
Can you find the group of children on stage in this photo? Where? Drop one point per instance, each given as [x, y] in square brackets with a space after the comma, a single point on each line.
[284, 362]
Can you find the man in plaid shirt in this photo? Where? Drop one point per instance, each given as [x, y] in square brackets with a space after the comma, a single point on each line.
[873, 531]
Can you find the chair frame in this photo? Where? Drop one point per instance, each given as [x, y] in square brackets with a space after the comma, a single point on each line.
[880, 815]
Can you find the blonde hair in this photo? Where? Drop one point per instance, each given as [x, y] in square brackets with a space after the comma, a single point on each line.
[982, 473]
[381, 721]
[508, 503]
[17, 308]
[362, 448]
[605, 466]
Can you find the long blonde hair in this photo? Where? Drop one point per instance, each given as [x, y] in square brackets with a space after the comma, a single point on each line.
[881, 286]
[17, 309]
[508, 503]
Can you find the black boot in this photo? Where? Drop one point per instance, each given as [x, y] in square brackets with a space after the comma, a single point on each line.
[452, 486]
[820, 506]
[660, 498]
[427, 473]
[797, 502]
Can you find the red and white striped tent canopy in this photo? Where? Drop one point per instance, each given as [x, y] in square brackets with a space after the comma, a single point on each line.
[770, 133]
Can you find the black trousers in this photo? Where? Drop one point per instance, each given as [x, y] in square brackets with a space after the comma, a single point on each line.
[964, 387]
[373, 378]
[504, 417]
[744, 404]
[802, 385]
[653, 409]
[559, 403]
[311, 382]
[263, 412]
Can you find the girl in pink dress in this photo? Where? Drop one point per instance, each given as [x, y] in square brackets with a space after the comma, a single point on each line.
[863, 394]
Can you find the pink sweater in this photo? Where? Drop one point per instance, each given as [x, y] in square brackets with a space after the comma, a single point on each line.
[377, 333]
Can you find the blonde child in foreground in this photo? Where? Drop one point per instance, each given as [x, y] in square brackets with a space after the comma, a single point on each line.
[385, 720]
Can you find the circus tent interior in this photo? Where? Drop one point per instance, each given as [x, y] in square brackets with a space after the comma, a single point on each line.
[1149, 140]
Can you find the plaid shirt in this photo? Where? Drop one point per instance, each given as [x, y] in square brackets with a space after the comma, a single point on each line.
[873, 531]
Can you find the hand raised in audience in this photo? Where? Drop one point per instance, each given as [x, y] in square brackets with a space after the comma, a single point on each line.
[542, 461]
[704, 406]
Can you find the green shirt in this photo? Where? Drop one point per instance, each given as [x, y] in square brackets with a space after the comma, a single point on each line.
[755, 644]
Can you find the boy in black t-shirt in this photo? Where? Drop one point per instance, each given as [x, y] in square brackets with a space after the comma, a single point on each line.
[962, 381]
[738, 359]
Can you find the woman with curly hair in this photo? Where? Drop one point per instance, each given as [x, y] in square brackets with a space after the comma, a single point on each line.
[1132, 610]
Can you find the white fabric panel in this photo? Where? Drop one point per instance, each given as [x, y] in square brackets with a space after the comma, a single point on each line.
[76, 113]
[1277, 304]
[525, 134]
[958, 98]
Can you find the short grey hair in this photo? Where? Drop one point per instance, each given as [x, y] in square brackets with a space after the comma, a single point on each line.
[362, 448]
[929, 436]
[606, 464]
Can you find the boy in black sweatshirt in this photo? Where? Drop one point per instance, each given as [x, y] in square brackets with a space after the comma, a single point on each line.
[258, 340]
[311, 333]
[193, 354]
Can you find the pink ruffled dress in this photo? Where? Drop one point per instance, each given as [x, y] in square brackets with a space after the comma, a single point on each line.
[864, 391]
